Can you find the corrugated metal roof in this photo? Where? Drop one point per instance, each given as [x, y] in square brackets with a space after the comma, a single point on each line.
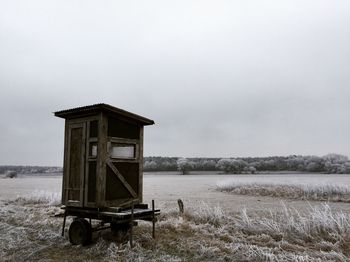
[90, 109]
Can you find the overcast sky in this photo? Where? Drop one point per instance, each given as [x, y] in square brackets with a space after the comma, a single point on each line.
[219, 78]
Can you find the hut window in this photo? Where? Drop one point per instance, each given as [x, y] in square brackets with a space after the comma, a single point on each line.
[94, 128]
[93, 150]
[120, 128]
[122, 151]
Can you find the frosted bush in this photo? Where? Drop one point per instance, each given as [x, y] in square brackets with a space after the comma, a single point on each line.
[204, 213]
[324, 192]
[41, 197]
[11, 174]
[319, 223]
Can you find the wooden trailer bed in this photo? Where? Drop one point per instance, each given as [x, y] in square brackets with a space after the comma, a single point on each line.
[119, 219]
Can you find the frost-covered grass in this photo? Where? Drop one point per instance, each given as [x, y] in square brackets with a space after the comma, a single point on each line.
[39, 196]
[30, 232]
[322, 192]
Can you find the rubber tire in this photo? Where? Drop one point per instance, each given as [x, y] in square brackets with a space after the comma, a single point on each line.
[80, 232]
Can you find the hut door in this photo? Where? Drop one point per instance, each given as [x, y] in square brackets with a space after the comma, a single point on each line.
[76, 160]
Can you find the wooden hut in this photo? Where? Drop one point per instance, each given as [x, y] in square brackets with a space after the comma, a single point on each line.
[103, 157]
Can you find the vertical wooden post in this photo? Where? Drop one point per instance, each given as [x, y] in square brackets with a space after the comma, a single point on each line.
[64, 221]
[132, 225]
[153, 221]
[140, 165]
[181, 206]
[65, 165]
[102, 156]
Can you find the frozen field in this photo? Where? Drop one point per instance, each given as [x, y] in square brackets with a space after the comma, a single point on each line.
[166, 187]
[216, 226]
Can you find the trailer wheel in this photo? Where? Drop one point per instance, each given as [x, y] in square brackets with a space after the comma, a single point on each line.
[80, 232]
[121, 231]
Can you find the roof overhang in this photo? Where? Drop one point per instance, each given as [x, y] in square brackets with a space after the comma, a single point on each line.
[97, 108]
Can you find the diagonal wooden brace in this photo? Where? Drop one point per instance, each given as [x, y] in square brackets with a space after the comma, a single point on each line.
[122, 179]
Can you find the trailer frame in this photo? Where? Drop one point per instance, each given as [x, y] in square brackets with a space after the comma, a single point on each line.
[119, 219]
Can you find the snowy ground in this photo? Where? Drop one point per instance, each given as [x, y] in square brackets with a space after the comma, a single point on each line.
[201, 187]
[216, 225]
[166, 187]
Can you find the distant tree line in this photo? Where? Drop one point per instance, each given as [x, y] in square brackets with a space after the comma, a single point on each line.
[30, 169]
[171, 163]
[331, 163]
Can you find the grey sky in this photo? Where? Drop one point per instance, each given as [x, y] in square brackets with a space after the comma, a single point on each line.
[220, 78]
